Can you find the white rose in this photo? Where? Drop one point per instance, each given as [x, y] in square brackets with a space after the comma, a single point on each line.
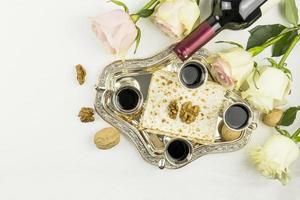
[176, 18]
[275, 157]
[236, 62]
[267, 89]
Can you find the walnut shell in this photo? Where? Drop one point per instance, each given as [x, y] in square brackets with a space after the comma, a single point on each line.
[107, 138]
[273, 118]
[229, 135]
[81, 73]
[86, 115]
[173, 109]
[188, 112]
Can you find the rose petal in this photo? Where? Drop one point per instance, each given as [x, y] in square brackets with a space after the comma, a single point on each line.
[115, 30]
[273, 83]
[221, 71]
[275, 157]
[188, 20]
[129, 38]
[102, 37]
[112, 19]
[176, 17]
[241, 73]
[236, 56]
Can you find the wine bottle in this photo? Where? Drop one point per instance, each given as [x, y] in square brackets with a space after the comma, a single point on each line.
[226, 14]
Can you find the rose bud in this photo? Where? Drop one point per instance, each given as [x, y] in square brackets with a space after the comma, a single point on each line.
[231, 67]
[176, 18]
[272, 118]
[221, 71]
[116, 31]
[267, 89]
[274, 158]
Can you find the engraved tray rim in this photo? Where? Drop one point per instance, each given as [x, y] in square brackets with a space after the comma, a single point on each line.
[135, 136]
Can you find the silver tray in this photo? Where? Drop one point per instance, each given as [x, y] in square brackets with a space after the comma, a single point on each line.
[153, 147]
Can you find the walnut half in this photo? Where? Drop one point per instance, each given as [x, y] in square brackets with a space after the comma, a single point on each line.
[173, 109]
[81, 73]
[188, 112]
[86, 115]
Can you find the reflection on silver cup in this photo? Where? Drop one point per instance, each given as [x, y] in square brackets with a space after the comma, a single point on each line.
[192, 74]
[238, 116]
[128, 99]
[178, 151]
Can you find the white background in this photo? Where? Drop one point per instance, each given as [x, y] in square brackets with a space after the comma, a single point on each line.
[47, 154]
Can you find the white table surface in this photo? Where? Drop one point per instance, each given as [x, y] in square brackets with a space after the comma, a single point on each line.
[47, 154]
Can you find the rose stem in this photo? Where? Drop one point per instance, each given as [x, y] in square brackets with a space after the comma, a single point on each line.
[287, 53]
[148, 5]
[295, 134]
[135, 17]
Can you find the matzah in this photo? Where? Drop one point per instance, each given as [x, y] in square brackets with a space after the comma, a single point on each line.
[164, 88]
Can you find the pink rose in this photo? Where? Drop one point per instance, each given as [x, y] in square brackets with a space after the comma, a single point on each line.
[221, 71]
[116, 30]
[231, 67]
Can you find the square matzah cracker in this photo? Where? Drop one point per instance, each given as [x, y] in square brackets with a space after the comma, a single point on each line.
[164, 88]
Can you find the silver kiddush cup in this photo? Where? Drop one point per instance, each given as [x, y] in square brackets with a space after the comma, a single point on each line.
[178, 151]
[127, 98]
[193, 73]
[238, 116]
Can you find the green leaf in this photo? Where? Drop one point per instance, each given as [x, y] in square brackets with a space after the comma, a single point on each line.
[282, 132]
[261, 34]
[284, 43]
[230, 42]
[146, 13]
[137, 39]
[291, 12]
[297, 139]
[119, 3]
[289, 116]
